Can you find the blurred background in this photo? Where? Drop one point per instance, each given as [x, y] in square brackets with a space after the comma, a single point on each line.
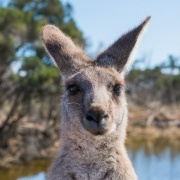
[30, 85]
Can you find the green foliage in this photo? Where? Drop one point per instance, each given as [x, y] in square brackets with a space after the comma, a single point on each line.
[53, 12]
[11, 26]
[20, 25]
[35, 74]
[27, 76]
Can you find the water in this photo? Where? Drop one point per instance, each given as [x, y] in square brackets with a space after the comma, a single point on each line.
[156, 167]
[150, 163]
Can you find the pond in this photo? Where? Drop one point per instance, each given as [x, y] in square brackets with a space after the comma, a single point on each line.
[151, 162]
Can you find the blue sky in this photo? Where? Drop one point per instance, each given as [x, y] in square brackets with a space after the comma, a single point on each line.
[103, 21]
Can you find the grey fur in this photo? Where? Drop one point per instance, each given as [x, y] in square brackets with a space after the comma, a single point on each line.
[92, 148]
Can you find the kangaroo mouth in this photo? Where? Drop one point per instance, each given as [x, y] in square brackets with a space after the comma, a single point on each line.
[95, 128]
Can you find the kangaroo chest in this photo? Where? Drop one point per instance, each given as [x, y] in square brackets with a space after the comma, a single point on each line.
[94, 169]
[93, 165]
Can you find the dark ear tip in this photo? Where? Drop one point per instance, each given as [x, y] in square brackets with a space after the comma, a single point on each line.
[147, 20]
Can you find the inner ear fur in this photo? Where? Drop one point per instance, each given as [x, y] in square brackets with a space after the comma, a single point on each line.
[119, 55]
[67, 56]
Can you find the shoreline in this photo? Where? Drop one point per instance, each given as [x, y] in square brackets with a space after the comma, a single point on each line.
[151, 133]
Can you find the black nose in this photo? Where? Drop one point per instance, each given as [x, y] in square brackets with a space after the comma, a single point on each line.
[96, 114]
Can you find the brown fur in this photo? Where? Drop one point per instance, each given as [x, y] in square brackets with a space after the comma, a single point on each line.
[94, 109]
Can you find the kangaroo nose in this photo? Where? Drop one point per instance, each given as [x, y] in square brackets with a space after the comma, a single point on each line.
[96, 114]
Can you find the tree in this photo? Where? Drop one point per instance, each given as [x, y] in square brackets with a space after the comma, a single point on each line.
[172, 64]
[160, 83]
[172, 68]
[20, 24]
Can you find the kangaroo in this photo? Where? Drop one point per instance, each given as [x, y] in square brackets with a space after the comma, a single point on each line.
[93, 108]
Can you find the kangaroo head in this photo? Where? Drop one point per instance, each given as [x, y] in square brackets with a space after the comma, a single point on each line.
[93, 99]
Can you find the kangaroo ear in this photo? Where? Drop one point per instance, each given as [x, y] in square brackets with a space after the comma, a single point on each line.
[67, 56]
[119, 55]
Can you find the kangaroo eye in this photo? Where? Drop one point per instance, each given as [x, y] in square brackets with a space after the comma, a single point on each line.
[73, 89]
[117, 89]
